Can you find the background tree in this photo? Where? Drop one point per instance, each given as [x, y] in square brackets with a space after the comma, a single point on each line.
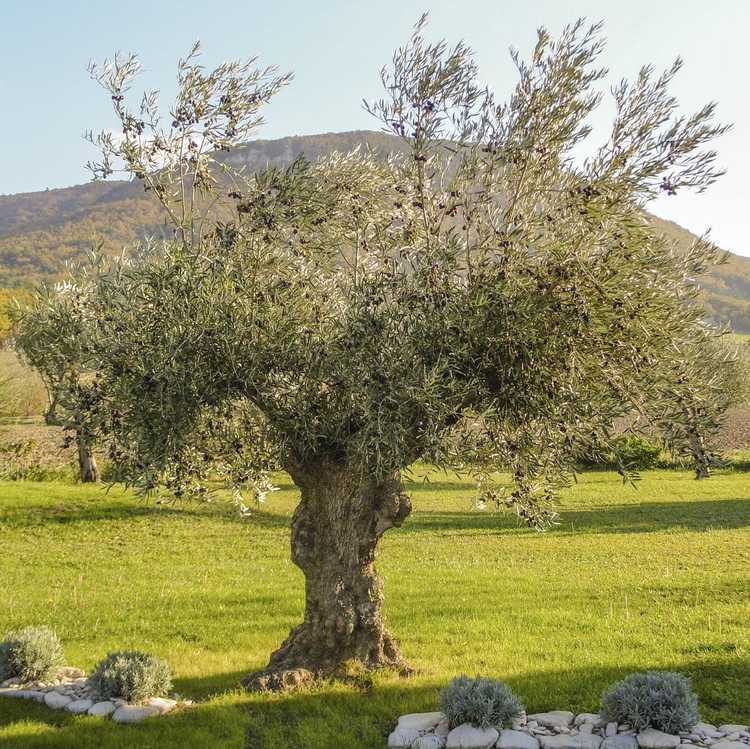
[484, 302]
[50, 336]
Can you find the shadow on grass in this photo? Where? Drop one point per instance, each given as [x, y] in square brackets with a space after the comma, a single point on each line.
[70, 513]
[346, 719]
[629, 517]
[647, 517]
[335, 716]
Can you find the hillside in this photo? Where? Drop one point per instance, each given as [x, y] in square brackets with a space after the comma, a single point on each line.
[41, 231]
[726, 289]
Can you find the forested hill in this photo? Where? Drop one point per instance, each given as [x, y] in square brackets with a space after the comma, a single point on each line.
[41, 231]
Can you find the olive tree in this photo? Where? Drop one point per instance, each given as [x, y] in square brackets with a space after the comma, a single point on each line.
[484, 299]
[49, 335]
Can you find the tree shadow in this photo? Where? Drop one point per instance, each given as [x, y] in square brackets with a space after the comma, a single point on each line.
[364, 719]
[341, 716]
[635, 517]
[646, 517]
[69, 513]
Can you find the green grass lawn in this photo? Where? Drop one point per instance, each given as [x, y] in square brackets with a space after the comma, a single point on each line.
[653, 577]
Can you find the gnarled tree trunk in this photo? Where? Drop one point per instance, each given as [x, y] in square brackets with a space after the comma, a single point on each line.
[86, 459]
[335, 530]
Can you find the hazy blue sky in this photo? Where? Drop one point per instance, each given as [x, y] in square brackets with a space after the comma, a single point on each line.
[335, 50]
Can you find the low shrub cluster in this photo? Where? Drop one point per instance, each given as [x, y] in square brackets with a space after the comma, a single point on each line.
[132, 676]
[33, 654]
[654, 699]
[481, 701]
[36, 654]
[634, 452]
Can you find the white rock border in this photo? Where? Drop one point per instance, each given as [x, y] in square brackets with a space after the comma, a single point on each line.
[71, 690]
[558, 729]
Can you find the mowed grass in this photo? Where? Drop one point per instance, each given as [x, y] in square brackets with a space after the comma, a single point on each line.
[648, 578]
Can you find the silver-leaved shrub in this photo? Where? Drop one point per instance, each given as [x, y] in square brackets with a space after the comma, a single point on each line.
[654, 699]
[33, 654]
[5, 668]
[132, 676]
[481, 701]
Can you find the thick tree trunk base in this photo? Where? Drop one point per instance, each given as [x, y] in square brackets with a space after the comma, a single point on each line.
[299, 661]
[335, 530]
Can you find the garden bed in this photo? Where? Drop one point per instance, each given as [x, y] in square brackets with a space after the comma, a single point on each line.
[559, 729]
[71, 690]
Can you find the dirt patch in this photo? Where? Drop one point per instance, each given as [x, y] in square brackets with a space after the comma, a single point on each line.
[735, 432]
[33, 443]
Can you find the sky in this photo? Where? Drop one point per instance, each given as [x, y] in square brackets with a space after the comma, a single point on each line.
[335, 50]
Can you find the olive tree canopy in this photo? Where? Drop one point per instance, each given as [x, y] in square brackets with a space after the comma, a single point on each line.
[486, 299]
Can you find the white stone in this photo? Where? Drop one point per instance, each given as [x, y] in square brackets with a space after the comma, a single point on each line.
[133, 713]
[732, 728]
[400, 738]
[553, 718]
[586, 728]
[587, 718]
[420, 721]
[467, 736]
[429, 741]
[730, 745]
[610, 730]
[56, 701]
[12, 682]
[579, 741]
[102, 708]
[79, 706]
[26, 694]
[653, 739]
[705, 729]
[516, 740]
[162, 704]
[443, 728]
[70, 672]
[623, 741]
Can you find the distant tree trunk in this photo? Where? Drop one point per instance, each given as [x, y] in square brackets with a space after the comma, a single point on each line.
[335, 530]
[701, 456]
[86, 459]
[50, 415]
